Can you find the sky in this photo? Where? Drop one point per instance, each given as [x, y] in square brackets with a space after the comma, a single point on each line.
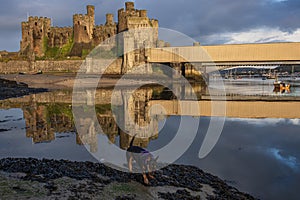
[207, 21]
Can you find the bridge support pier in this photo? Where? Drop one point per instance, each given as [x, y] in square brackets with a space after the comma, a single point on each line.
[177, 70]
[205, 75]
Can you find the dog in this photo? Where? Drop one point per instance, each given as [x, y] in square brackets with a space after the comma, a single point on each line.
[143, 158]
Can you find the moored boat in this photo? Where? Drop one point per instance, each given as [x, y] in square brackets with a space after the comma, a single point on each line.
[279, 85]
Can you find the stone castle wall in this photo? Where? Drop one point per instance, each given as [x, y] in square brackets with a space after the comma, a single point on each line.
[34, 32]
[38, 35]
[11, 67]
[43, 65]
[40, 40]
[102, 33]
[14, 67]
[59, 36]
[84, 25]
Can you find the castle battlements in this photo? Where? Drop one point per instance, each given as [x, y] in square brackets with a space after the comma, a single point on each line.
[38, 35]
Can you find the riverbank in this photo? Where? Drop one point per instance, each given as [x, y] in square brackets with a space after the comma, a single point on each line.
[49, 179]
[55, 81]
[11, 88]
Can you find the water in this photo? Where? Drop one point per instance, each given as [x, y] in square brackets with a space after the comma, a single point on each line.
[17, 141]
[259, 156]
[257, 86]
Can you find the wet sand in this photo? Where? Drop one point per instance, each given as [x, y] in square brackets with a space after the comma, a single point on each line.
[66, 80]
[52, 81]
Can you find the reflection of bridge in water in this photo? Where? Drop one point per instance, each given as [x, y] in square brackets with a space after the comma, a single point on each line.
[49, 113]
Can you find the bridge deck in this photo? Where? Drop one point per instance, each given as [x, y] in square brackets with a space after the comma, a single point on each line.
[271, 52]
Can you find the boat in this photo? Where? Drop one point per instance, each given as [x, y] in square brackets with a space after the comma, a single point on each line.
[280, 85]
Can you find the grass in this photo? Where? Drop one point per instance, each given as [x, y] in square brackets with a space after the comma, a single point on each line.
[100, 52]
[57, 52]
[84, 53]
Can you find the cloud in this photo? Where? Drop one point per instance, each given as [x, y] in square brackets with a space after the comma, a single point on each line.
[214, 21]
[256, 35]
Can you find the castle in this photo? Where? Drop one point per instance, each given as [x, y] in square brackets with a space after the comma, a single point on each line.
[40, 39]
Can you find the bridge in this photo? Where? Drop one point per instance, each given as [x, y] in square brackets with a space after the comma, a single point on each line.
[227, 56]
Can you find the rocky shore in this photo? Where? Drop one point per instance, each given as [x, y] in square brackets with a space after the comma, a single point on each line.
[10, 89]
[60, 179]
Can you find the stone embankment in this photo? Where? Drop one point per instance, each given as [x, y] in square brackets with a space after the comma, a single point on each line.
[11, 67]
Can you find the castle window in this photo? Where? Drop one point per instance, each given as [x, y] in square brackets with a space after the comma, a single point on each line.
[28, 33]
[35, 23]
[85, 28]
[41, 30]
[108, 35]
[78, 23]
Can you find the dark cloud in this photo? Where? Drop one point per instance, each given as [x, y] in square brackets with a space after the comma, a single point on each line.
[217, 16]
[196, 18]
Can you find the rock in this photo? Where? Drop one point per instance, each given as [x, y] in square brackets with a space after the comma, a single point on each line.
[94, 176]
[10, 89]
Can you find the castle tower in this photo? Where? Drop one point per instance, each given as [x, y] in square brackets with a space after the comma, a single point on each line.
[129, 6]
[136, 39]
[84, 25]
[109, 19]
[34, 36]
[90, 11]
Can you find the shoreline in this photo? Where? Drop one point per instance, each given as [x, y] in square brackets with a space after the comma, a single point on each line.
[56, 81]
[70, 179]
[14, 89]
[65, 81]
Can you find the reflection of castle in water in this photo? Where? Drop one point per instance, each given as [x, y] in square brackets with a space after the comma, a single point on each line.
[132, 118]
[49, 114]
[44, 118]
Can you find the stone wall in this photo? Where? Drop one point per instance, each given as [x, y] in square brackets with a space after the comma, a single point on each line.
[60, 66]
[57, 66]
[44, 65]
[103, 32]
[103, 66]
[14, 67]
[59, 36]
